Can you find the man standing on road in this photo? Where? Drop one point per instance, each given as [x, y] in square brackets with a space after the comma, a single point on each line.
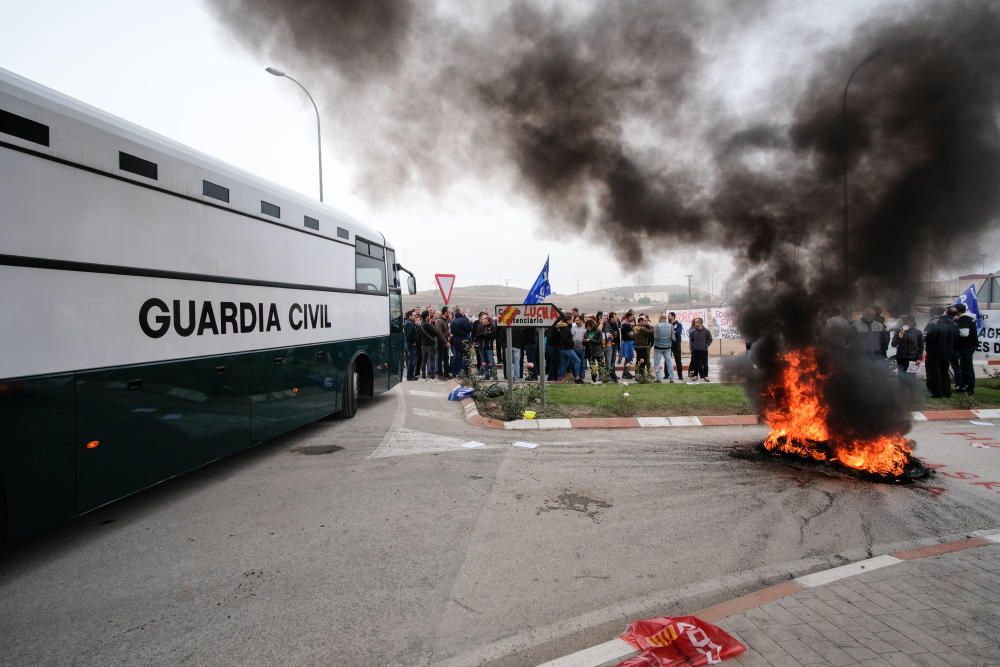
[628, 344]
[868, 336]
[567, 355]
[614, 332]
[461, 334]
[428, 346]
[700, 341]
[412, 338]
[485, 334]
[578, 329]
[642, 335]
[966, 345]
[609, 346]
[836, 330]
[663, 341]
[441, 324]
[676, 343]
[939, 337]
[909, 343]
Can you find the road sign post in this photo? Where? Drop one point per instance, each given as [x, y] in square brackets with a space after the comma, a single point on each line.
[538, 315]
[541, 364]
[509, 366]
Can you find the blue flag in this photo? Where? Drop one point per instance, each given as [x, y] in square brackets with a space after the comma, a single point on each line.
[541, 288]
[969, 299]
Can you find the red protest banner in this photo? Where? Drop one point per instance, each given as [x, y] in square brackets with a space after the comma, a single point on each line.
[680, 641]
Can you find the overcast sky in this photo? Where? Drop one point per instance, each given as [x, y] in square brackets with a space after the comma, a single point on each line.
[172, 68]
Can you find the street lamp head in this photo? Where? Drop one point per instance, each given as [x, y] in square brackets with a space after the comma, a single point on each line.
[275, 72]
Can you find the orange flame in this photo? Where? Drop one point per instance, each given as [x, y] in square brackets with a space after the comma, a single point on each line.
[797, 415]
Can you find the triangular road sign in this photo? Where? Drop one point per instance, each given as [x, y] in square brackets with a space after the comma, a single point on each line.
[446, 282]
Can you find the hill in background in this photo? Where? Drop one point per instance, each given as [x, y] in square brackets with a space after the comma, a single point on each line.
[476, 298]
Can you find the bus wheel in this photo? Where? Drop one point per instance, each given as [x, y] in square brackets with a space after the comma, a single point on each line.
[351, 382]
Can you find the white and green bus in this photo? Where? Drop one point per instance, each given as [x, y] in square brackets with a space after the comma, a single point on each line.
[162, 309]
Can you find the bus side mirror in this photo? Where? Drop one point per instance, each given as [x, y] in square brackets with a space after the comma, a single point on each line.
[411, 285]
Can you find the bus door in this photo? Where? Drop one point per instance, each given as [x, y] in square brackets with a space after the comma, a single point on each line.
[396, 342]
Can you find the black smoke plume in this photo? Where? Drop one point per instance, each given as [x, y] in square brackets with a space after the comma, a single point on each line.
[611, 118]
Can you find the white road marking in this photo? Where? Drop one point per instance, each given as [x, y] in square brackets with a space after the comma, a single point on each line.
[526, 445]
[436, 414]
[431, 394]
[684, 421]
[554, 423]
[918, 416]
[473, 444]
[849, 570]
[991, 534]
[406, 441]
[987, 414]
[653, 421]
[521, 425]
[613, 649]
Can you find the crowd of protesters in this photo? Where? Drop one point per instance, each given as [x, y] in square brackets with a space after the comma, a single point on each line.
[949, 341]
[440, 344]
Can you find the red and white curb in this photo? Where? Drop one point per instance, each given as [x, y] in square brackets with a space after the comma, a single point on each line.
[473, 417]
[618, 649]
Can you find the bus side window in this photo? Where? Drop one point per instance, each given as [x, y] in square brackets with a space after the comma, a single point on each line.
[369, 268]
[390, 262]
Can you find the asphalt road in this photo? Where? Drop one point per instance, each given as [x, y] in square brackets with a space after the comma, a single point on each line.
[404, 548]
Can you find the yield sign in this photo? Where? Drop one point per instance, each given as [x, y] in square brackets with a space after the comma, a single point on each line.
[445, 281]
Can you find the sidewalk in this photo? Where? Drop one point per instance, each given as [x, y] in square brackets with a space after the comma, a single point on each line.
[937, 610]
[930, 606]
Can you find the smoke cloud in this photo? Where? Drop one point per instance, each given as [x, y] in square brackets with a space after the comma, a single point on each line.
[611, 117]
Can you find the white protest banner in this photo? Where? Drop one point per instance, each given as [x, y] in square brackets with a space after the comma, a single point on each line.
[725, 323]
[685, 317]
[989, 334]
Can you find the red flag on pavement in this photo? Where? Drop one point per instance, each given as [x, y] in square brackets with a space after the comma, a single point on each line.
[679, 641]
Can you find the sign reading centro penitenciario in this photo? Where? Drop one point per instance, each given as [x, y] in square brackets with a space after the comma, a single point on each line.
[527, 315]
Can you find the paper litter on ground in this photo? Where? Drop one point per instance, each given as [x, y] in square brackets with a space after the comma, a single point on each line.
[473, 444]
[981, 423]
[526, 445]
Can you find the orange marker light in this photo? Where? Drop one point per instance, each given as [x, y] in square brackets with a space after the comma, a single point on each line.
[93, 444]
[295, 390]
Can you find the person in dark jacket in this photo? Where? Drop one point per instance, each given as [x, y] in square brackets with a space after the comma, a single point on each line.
[966, 345]
[529, 344]
[628, 344]
[461, 337]
[909, 343]
[700, 338]
[868, 335]
[428, 346]
[593, 342]
[939, 338]
[642, 336]
[484, 335]
[412, 338]
[613, 329]
[442, 324]
[675, 349]
[608, 346]
[567, 353]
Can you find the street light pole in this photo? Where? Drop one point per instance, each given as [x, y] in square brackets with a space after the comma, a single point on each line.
[319, 141]
[689, 277]
[872, 56]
